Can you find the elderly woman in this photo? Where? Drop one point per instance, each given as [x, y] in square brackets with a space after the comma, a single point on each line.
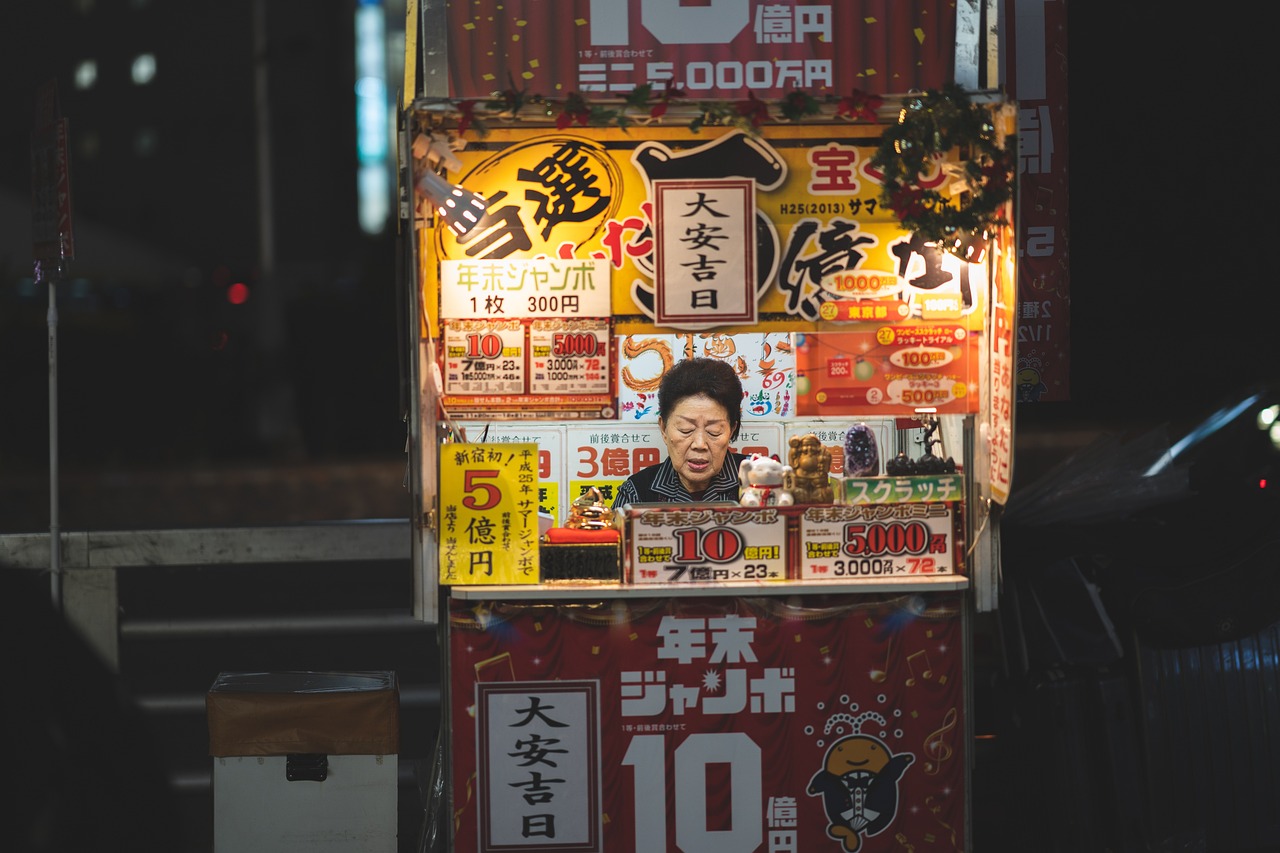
[699, 413]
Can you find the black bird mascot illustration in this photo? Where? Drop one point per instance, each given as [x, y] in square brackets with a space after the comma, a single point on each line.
[859, 785]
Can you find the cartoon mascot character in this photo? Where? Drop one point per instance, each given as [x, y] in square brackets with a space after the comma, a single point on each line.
[859, 785]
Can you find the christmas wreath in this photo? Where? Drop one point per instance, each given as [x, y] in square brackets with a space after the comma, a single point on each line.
[928, 127]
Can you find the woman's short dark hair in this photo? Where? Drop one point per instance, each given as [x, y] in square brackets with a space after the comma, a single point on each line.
[708, 376]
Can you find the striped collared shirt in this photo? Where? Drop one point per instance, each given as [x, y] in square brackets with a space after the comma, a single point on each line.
[661, 484]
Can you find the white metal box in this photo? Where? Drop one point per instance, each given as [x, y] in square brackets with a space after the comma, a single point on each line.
[304, 761]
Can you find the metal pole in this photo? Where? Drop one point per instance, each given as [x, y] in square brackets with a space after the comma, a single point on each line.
[276, 412]
[55, 538]
[262, 117]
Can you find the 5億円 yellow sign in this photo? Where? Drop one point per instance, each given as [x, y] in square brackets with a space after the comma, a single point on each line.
[488, 525]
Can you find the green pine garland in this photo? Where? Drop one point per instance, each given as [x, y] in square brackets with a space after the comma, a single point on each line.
[645, 105]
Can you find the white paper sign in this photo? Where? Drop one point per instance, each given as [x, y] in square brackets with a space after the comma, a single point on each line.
[524, 801]
[605, 454]
[705, 252]
[569, 356]
[877, 541]
[706, 544]
[484, 357]
[517, 287]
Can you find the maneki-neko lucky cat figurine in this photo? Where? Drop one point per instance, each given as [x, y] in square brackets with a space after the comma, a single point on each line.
[764, 481]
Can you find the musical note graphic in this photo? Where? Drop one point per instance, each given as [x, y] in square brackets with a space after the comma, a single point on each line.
[926, 672]
[936, 746]
[879, 675]
[936, 810]
[501, 660]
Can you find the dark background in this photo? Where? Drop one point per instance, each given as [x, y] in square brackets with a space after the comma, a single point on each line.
[1174, 293]
[157, 371]
[1172, 283]
[156, 367]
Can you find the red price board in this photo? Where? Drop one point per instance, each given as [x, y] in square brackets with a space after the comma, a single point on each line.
[484, 357]
[711, 49]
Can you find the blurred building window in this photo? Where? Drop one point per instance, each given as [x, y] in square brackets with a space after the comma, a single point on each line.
[87, 144]
[86, 74]
[145, 141]
[144, 68]
[373, 123]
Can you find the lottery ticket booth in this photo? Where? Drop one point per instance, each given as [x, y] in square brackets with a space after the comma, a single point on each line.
[822, 200]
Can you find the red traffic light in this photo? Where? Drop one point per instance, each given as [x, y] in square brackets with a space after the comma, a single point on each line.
[238, 293]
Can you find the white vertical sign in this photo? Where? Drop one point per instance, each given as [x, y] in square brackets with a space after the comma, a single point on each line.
[705, 252]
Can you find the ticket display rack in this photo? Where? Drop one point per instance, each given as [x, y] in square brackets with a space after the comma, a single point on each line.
[757, 676]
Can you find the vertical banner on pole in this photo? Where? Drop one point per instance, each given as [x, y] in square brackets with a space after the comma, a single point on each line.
[53, 243]
[53, 238]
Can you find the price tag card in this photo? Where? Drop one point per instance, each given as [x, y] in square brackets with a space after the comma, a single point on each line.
[484, 357]
[488, 529]
[708, 543]
[569, 356]
[878, 541]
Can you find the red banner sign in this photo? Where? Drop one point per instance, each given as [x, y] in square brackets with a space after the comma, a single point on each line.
[713, 49]
[51, 231]
[1037, 80]
[759, 725]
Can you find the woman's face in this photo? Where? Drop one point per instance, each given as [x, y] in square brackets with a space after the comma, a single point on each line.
[696, 433]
